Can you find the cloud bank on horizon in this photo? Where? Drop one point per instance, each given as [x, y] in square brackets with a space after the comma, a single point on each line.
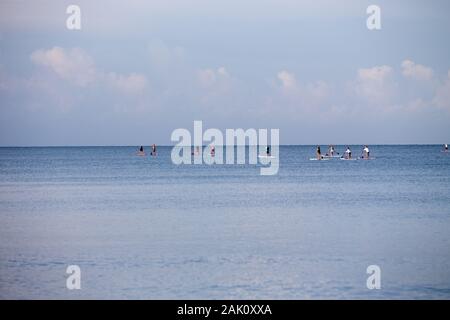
[139, 70]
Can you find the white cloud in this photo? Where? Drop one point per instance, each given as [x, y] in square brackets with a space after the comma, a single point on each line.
[164, 56]
[287, 79]
[73, 65]
[374, 84]
[77, 67]
[211, 77]
[131, 84]
[442, 96]
[312, 96]
[215, 89]
[312, 91]
[318, 90]
[416, 71]
[376, 74]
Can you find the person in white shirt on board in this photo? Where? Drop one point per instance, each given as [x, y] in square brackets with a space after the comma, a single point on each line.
[348, 153]
[366, 152]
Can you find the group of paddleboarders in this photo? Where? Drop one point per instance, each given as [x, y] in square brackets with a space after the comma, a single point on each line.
[347, 154]
[141, 151]
[330, 154]
[212, 151]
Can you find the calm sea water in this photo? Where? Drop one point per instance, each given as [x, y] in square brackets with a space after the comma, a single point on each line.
[141, 227]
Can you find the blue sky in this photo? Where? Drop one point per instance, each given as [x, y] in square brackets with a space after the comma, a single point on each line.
[137, 70]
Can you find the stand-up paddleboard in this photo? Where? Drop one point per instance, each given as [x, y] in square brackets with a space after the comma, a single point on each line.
[140, 154]
[323, 159]
[265, 156]
[333, 156]
[371, 158]
[351, 159]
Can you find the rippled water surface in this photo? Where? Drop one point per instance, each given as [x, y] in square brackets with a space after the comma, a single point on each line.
[142, 227]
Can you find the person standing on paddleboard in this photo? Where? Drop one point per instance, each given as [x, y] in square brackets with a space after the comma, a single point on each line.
[268, 151]
[446, 147]
[331, 150]
[153, 153]
[141, 151]
[197, 151]
[366, 152]
[348, 153]
[318, 153]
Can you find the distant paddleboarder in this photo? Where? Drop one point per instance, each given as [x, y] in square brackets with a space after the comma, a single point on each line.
[318, 153]
[366, 152]
[348, 153]
[268, 151]
[153, 153]
[331, 150]
[197, 151]
[141, 151]
[446, 147]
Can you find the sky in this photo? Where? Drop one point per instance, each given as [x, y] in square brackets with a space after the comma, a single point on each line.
[137, 70]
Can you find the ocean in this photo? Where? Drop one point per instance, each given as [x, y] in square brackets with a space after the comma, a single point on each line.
[144, 228]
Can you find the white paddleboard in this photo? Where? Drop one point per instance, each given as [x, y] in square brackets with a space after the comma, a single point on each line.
[264, 156]
[323, 159]
[334, 156]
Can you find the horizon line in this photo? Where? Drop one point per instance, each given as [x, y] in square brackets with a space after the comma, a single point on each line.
[224, 145]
